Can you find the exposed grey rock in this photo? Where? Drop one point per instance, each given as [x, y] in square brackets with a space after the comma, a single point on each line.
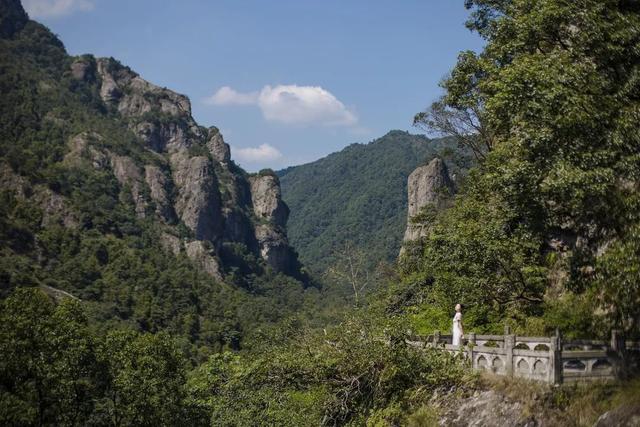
[169, 137]
[238, 227]
[274, 248]
[109, 90]
[54, 209]
[157, 182]
[171, 243]
[198, 203]
[134, 97]
[488, 408]
[128, 175]
[428, 185]
[205, 258]
[83, 69]
[53, 205]
[626, 415]
[81, 150]
[267, 199]
[220, 150]
[197, 188]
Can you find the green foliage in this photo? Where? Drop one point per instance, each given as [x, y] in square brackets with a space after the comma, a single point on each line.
[361, 369]
[55, 371]
[542, 235]
[145, 379]
[95, 246]
[617, 283]
[359, 195]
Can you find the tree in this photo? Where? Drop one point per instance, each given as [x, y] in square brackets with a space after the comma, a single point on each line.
[47, 365]
[145, 379]
[460, 112]
[552, 102]
[351, 268]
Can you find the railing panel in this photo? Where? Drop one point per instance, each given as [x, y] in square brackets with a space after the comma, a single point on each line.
[548, 359]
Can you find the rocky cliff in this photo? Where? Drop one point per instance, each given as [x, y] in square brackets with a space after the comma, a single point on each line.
[429, 188]
[184, 175]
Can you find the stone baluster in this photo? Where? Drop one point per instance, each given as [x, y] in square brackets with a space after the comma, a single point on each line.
[509, 343]
[436, 338]
[472, 338]
[471, 343]
[617, 341]
[555, 360]
[618, 347]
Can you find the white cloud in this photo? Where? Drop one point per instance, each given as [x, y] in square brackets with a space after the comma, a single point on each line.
[262, 153]
[228, 96]
[290, 104]
[55, 8]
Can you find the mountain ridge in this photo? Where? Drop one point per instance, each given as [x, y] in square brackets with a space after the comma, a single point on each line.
[111, 192]
[359, 195]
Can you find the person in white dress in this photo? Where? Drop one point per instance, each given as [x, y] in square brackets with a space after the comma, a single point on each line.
[458, 333]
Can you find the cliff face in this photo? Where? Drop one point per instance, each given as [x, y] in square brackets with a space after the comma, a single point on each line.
[428, 189]
[186, 176]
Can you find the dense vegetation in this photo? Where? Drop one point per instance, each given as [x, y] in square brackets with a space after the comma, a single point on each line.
[543, 234]
[96, 248]
[358, 196]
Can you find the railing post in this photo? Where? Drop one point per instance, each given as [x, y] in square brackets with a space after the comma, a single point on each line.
[471, 343]
[617, 341]
[619, 347]
[472, 338]
[509, 343]
[555, 359]
[436, 338]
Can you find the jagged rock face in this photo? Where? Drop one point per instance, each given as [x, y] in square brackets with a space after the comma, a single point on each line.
[53, 206]
[162, 137]
[428, 185]
[83, 69]
[158, 182]
[205, 258]
[171, 243]
[238, 228]
[267, 203]
[80, 150]
[487, 408]
[274, 248]
[220, 150]
[134, 96]
[191, 186]
[267, 199]
[198, 203]
[128, 175]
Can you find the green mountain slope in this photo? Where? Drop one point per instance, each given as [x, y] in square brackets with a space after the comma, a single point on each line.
[110, 192]
[359, 195]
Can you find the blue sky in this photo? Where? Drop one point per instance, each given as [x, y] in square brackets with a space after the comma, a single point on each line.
[286, 81]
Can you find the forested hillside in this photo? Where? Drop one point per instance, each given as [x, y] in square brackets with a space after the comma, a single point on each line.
[359, 195]
[109, 319]
[113, 194]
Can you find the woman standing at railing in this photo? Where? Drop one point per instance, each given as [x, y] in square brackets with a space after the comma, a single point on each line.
[457, 326]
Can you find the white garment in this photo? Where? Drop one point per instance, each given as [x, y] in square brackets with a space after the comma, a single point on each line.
[457, 329]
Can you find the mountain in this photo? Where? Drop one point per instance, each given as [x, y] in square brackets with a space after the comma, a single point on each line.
[359, 195]
[113, 194]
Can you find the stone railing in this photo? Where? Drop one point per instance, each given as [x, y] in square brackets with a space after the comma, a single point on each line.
[549, 359]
